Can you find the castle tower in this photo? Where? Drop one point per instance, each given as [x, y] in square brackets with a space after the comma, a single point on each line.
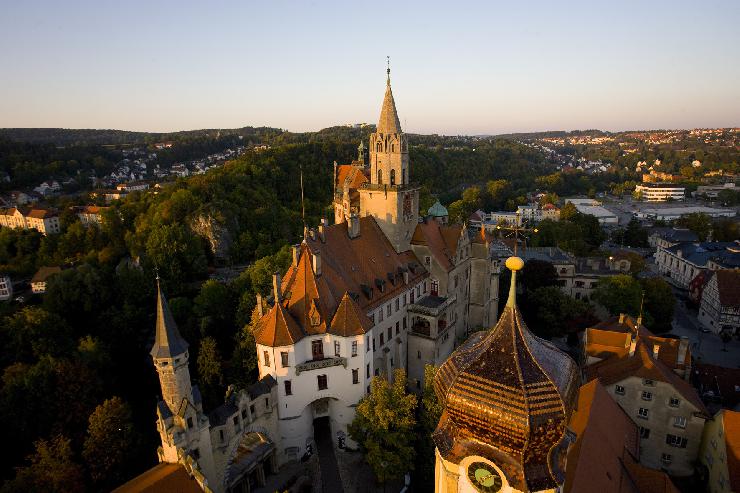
[389, 197]
[170, 355]
[508, 396]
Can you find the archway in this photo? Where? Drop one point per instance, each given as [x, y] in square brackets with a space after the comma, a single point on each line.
[252, 458]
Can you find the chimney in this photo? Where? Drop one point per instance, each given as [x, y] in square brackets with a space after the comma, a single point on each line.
[656, 350]
[353, 226]
[633, 344]
[316, 259]
[683, 347]
[312, 233]
[621, 318]
[406, 277]
[276, 282]
[296, 254]
[260, 311]
[322, 229]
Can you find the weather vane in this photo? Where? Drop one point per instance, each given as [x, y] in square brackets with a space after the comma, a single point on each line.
[516, 231]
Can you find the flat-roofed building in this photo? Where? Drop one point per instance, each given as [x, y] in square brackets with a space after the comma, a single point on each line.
[673, 213]
[659, 192]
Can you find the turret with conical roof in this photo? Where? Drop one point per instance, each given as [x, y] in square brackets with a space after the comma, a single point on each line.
[170, 355]
[508, 396]
[389, 155]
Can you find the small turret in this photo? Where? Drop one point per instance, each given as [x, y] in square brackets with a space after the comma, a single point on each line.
[170, 355]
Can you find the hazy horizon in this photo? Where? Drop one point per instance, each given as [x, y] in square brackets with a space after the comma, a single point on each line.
[473, 68]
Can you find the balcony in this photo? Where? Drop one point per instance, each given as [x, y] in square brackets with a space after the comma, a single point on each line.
[318, 364]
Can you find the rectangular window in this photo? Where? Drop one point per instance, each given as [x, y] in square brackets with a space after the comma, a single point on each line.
[674, 402]
[404, 299]
[372, 318]
[244, 413]
[382, 341]
[266, 357]
[367, 343]
[679, 422]
[236, 421]
[321, 380]
[418, 354]
[675, 441]
[397, 304]
[221, 434]
[267, 403]
[647, 396]
[190, 422]
[404, 323]
[337, 348]
[288, 387]
[644, 432]
[284, 359]
[390, 333]
[251, 409]
[388, 309]
[397, 328]
[380, 315]
[355, 376]
[648, 382]
[666, 458]
[643, 413]
[618, 389]
[317, 349]
[196, 454]
[374, 343]
[354, 348]
[367, 371]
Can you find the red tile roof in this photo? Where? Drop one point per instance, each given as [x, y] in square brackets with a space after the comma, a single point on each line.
[162, 478]
[441, 241]
[617, 368]
[367, 269]
[349, 320]
[732, 444]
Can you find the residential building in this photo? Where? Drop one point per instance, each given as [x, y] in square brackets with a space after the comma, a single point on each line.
[718, 386]
[90, 214]
[6, 287]
[662, 404]
[132, 186]
[720, 303]
[659, 192]
[606, 453]
[682, 262]
[667, 237]
[720, 452]
[41, 277]
[659, 176]
[551, 212]
[45, 221]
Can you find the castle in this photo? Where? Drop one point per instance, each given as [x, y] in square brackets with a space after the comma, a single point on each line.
[380, 289]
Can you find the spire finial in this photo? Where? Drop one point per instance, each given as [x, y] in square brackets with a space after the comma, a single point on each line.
[514, 264]
[388, 69]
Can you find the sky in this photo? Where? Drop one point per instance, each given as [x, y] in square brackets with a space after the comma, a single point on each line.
[459, 67]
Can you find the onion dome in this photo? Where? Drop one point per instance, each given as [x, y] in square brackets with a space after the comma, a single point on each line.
[508, 396]
[437, 210]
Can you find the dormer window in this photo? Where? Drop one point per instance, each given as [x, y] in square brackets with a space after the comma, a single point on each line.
[314, 315]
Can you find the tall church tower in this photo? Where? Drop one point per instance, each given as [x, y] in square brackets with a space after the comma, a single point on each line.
[389, 197]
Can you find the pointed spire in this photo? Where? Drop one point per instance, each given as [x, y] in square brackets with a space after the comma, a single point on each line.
[389, 122]
[167, 342]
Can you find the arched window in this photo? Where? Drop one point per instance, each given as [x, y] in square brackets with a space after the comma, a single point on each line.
[393, 147]
[380, 177]
[379, 147]
[393, 177]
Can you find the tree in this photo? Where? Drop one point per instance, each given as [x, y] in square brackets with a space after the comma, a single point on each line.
[699, 223]
[568, 211]
[725, 229]
[635, 235]
[728, 197]
[384, 427]
[619, 294]
[538, 273]
[209, 371]
[429, 413]
[550, 313]
[659, 304]
[110, 443]
[52, 469]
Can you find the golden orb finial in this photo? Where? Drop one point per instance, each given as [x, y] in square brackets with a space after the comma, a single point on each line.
[514, 263]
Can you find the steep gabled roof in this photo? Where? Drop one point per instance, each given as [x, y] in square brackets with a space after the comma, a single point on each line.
[349, 319]
[440, 239]
[728, 285]
[167, 342]
[278, 328]
[642, 364]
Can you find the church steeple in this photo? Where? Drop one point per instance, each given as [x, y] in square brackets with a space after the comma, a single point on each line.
[389, 122]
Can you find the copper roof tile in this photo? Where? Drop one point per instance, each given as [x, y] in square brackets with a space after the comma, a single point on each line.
[349, 319]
